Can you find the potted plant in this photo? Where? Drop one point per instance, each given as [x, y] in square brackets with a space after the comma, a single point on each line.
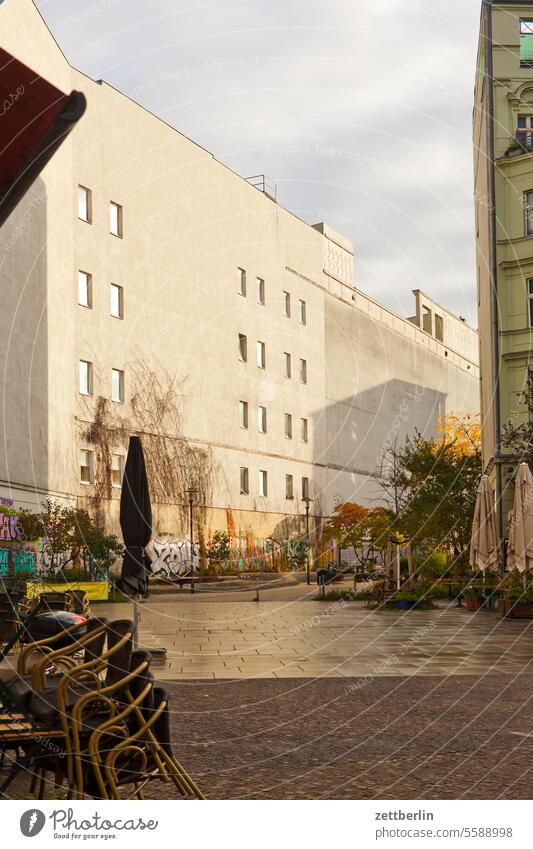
[519, 601]
[414, 595]
[473, 597]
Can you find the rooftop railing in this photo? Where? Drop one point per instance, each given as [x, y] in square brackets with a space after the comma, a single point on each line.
[264, 184]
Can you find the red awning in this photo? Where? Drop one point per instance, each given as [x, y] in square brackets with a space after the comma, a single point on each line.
[35, 117]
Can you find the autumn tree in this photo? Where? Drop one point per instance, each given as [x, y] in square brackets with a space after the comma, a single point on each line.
[443, 475]
[364, 529]
[70, 536]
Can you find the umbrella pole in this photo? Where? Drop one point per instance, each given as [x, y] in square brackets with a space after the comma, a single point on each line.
[136, 621]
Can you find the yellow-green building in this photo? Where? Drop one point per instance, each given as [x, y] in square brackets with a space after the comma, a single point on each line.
[503, 165]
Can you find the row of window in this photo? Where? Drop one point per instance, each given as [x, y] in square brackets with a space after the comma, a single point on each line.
[117, 381]
[261, 358]
[85, 294]
[262, 488]
[262, 421]
[242, 288]
[117, 473]
[85, 212]
[87, 467]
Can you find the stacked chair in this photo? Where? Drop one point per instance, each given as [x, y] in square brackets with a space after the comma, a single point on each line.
[98, 720]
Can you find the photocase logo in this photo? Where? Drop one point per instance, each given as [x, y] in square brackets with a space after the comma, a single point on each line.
[32, 821]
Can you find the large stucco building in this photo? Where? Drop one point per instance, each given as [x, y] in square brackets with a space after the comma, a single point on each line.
[149, 289]
[503, 142]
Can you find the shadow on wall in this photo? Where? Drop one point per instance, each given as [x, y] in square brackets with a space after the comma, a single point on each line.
[359, 430]
[24, 351]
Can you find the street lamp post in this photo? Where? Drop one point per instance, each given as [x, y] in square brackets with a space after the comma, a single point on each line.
[307, 502]
[365, 541]
[191, 493]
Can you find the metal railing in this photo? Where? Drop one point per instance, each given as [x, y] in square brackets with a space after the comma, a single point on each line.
[264, 184]
[525, 139]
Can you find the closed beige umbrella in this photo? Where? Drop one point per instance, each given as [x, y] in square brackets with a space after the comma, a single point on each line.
[520, 545]
[484, 547]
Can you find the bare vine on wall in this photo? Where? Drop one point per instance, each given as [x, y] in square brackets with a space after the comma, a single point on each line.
[173, 462]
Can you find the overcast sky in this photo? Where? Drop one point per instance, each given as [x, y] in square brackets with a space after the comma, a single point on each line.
[360, 112]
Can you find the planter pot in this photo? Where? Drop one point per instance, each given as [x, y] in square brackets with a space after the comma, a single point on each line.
[517, 609]
[404, 605]
[473, 603]
[96, 590]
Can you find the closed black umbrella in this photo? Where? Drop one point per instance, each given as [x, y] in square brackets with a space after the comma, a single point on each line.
[135, 521]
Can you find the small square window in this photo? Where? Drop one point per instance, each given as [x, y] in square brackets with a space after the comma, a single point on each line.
[84, 204]
[117, 469]
[260, 290]
[243, 414]
[115, 219]
[303, 312]
[85, 289]
[289, 486]
[261, 355]
[287, 304]
[288, 426]
[243, 348]
[287, 367]
[117, 300]
[262, 419]
[117, 385]
[303, 371]
[304, 430]
[263, 483]
[245, 484]
[305, 488]
[86, 378]
[241, 282]
[86, 466]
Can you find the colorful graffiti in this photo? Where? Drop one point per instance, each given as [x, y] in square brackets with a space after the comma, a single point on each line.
[9, 527]
[18, 561]
[172, 558]
[17, 557]
[268, 555]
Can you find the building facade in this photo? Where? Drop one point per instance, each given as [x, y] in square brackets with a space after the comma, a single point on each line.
[503, 164]
[149, 289]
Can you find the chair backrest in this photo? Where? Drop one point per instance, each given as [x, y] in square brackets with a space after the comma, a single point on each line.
[9, 620]
[162, 723]
[56, 601]
[143, 678]
[119, 662]
[80, 602]
[95, 647]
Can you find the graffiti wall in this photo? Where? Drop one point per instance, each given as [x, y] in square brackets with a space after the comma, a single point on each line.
[174, 558]
[17, 557]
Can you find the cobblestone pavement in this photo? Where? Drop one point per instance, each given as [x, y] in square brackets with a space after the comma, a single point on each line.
[308, 639]
[319, 700]
[460, 737]
[424, 738]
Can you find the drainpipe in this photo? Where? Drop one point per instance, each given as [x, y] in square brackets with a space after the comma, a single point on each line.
[495, 337]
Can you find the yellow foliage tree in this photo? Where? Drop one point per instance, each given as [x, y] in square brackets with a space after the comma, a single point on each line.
[461, 432]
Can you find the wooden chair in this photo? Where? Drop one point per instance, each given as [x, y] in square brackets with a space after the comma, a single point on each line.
[102, 709]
